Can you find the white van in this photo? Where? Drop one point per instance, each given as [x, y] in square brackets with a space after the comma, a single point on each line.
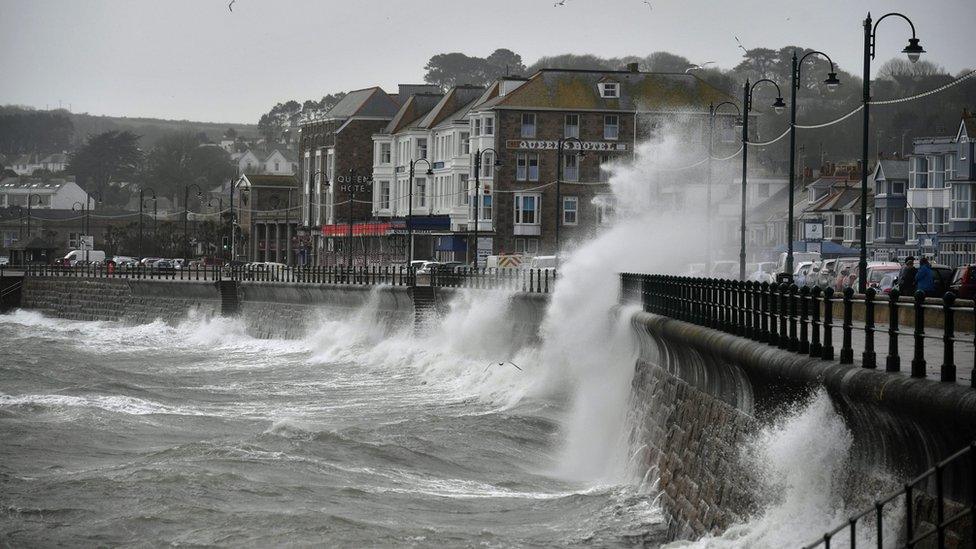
[74, 256]
[798, 258]
[543, 262]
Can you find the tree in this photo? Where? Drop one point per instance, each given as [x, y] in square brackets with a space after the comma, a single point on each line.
[106, 157]
[24, 130]
[900, 69]
[662, 61]
[503, 62]
[179, 159]
[758, 63]
[451, 69]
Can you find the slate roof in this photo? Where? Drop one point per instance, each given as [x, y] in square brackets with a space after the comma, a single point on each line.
[893, 170]
[452, 106]
[412, 111]
[366, 102]
[24, 183]
[639, 91]
[267, 180]
[840, 198]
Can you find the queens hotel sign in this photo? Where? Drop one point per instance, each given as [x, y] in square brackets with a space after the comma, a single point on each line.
[545, 145]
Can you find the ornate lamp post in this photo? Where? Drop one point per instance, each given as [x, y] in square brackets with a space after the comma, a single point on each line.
[560, 148]
[141, 205]
[478, 159]
[832, 82]
[186, 217]
[712, 111]
[778, 107]
[913, 50]
[30, 201]
[430, 171]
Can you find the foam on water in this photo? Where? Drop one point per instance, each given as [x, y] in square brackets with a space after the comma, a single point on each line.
[118, 404]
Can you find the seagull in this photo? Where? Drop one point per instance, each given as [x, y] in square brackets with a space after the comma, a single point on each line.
[649, 6]
[559, 3]
[490, 364]
[694, 67]
[230, 6]
[737, 41]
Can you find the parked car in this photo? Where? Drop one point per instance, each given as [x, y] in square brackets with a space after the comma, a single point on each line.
[89, 256]
[4, 260]
[846, 273]
[876, 273]
[696, 270]
[943, 276]
[162, 265]
[964, 282]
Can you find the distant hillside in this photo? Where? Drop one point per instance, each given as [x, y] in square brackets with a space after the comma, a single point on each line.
[151, 129]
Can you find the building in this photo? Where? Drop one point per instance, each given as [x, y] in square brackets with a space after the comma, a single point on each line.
[27, 164]
[274, 161]
[336, 152]
[954, 162]
[52, 194]
[516, 126]
[267, 211]
[892, 216]
[432, 130]
[835, 198]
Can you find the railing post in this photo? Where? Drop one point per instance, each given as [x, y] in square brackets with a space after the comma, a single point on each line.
[784, 315]
[773, 334]
[794, 342]
[918, 360]
[742, 310]
[948, 361]
[846, 352]
[815, 348]
[869, 358]
[764, 312]
[804, 346]
[893, 363]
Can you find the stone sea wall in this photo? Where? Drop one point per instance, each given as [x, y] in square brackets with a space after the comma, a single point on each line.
[707, 392]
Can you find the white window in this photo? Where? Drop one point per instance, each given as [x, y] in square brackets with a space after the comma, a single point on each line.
[950, 167]
[330, 165]
[962, 201]
[880, 223]
[465, 143]
[604, 209]
[611, 126]
[880, 187]
[527, 209]
[937, 172]
[897, 227]
[477, 127]
[463, 188]
[420, 192]
[917, 222]
[571, 167]
[73, 240]
[570, 210]
[487, 164]
[385, 153]
[609, 90]
[533, 167]
[421, 148]
[486, 207]
[384, 195]
[528, 124]
[838, 226]
[604, 168]
[489, 125]
[527, 167]
[571, 128]
[920, 172]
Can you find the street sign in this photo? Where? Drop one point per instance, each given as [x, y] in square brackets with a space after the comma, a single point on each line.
[484, 250]
[87, 242]
[813, 230]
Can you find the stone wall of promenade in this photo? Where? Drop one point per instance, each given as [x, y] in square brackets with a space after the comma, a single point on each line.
[704, 393]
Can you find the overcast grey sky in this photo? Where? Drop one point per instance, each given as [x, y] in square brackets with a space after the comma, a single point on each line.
[197, 60]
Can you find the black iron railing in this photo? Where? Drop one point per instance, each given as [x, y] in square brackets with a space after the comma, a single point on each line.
[802, 320]
[540, 281]
[912, 534]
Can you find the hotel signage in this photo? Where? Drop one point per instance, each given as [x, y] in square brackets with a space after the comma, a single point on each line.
[537, 144]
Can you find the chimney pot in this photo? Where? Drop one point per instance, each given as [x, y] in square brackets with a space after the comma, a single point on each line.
[632, 67]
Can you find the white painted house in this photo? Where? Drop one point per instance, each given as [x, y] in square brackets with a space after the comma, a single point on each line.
[56, 194]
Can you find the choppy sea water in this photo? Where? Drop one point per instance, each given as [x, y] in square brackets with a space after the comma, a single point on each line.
[201, 435]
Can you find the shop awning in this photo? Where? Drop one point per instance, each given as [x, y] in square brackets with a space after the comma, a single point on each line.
[368, 228]
[451, 243]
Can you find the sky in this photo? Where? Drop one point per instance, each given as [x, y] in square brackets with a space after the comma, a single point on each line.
[198, 60]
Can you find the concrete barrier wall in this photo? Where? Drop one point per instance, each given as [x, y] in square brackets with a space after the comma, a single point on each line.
[707, 391]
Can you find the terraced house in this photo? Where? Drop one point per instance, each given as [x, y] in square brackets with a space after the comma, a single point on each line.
[516, 126]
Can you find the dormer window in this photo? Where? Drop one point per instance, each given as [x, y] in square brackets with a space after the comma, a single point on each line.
[609, 90]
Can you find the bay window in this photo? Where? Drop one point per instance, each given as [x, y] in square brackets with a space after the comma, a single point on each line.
[489, 126]
[920, 173]
[527, 208]
[384, 195]
[420, 192]
[937, 172]
[962, 201]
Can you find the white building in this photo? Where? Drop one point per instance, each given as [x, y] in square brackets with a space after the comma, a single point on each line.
[26, 164]
[56, 194]
[277, 161]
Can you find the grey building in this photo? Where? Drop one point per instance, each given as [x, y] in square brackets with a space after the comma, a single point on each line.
[957, 246]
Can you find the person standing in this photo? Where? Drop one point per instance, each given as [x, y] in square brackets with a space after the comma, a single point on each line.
[925, 278]
[906, 278]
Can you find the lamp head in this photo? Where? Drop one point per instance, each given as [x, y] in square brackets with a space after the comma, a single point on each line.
[429, 171]
[779, 106]
[913, 50]
[832, 82]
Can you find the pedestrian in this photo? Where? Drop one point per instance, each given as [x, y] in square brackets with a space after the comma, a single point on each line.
[906, 277]
[925, 278]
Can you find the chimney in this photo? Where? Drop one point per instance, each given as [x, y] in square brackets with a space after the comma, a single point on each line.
[807, 173]
[632, 67]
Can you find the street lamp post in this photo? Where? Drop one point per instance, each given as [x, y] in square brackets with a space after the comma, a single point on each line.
[141, 205]
[311, 187]
[352, 198]
[430, 171]
[30, 199]
[220, 210]
[186, 217]
[86, 224]
[832, 82]
[778, 107]
[477, 192]
[914, 51]
[560, 146]
[712, 111]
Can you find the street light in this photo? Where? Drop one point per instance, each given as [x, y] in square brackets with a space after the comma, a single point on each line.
[778, 107]
[430, 171]
[220, 214]
[477, 191]
[914, 51]
[30, 199]
[831, 82]
[712, 110]
[352, 198]
[560, 148]
[86, 208]
[186, 217]
[141, 202]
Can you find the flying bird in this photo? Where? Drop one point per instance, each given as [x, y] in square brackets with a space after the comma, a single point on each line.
[231, 5]
[490, 364]
[649, 6]
[559, 3]
[737, 41]
[698, 67]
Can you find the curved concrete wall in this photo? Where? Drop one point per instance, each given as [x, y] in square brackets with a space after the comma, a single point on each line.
[901, 424]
